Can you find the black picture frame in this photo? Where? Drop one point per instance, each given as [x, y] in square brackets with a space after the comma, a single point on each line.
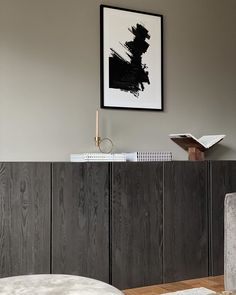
[138, 89]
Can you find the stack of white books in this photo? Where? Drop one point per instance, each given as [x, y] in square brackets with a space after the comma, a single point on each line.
[122, 157]
[97, 157]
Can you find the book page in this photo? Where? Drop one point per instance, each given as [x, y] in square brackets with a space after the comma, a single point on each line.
[209, 140]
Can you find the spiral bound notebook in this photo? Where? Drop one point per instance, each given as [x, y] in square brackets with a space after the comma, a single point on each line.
[148, 156]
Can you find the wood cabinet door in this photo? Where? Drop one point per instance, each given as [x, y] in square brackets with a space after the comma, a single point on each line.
[24, 218]
[80, 217]
[185, 220]
[223, 181]
[136, 224]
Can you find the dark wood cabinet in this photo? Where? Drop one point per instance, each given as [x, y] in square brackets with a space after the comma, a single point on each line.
[80, 219]
[185, 221]
[24, 218]
[136, 224]
[129, 224]
[223, 181]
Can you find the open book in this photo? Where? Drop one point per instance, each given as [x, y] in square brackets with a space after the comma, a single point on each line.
[187, 140]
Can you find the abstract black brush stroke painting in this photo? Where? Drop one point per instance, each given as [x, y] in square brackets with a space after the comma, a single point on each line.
[130, 75]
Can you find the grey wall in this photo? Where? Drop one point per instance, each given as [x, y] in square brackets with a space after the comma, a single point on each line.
[49, 78]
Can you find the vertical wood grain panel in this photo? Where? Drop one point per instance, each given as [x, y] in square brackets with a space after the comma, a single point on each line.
[185, 220]
[24, 218]
[223, 181]
[137, 224]
[81, 219]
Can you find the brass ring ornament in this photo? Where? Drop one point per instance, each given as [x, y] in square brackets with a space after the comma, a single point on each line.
[105, 145]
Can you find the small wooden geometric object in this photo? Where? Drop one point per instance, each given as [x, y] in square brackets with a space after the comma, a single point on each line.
[195, 154]
[196, 147]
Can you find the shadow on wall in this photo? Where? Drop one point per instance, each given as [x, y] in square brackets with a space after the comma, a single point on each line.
[218, 152]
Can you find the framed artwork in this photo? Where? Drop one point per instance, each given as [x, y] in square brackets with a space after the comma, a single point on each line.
[131, 59]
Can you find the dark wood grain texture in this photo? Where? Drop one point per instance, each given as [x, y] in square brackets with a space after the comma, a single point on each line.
[185, 221]
[81, 219]
[137, 196]
[24, 218]
[223, 181]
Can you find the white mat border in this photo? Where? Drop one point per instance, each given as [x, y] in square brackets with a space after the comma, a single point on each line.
[193, 291]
